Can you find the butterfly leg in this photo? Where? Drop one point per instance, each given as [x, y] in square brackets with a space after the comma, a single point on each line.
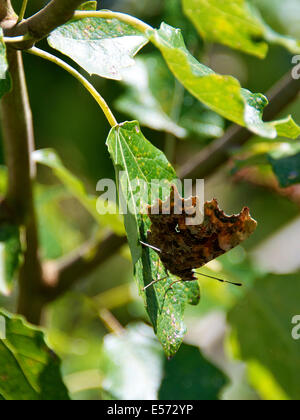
[157, 279]
[150, 246]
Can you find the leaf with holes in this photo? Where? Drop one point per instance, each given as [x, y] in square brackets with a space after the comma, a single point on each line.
[139, 166]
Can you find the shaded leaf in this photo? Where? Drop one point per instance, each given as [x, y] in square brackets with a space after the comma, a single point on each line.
[112, 220]
[159, 102]
[58, 236]
[29, 370]
[189, 376]
[285, 163]
[223, 94]
[136, 350]
[136, 158]
[283, 159]
[100, 46]
[262, 324]
[237, 24]
[10, 256]
[5, 81]
[147, 103]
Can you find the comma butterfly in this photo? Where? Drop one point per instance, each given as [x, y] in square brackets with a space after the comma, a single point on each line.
[183, 247]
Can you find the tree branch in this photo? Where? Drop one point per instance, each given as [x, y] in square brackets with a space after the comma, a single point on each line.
[54, 14]
[18, 144]
[6, 10]
[212, 157]
[61, 275]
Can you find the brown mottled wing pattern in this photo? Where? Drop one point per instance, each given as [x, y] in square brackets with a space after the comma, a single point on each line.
[183, 247]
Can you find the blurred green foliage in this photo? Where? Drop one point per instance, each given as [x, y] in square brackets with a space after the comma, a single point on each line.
[67, 120]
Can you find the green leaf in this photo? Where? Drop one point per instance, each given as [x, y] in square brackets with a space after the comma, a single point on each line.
[283, 159]
[100, 46]
[273, 37]
[160, 103]
[147, 99]
[136, 350]
[58, 235]
[262, 324]
[227, 22]
[10, 256]
[112, 220]
[136, 158]
[189, 376]
[223, 94]
[29, 370]
[285, 163]
[237, 24]
[5, 81]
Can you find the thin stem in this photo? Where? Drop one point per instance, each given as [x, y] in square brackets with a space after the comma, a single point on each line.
[16, 39]
[110, 321]
[107, 14]
[99, 99]
[22, 11]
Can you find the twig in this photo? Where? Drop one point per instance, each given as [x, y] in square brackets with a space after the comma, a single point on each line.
[22, 11]
[111, 322]
[107, 14]
[96, 95]
[61, 275]
[54, 14]
[216, 154]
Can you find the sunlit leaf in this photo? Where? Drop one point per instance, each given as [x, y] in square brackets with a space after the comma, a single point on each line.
[135, 159]
[112, 220]
[237, 24]
[227, 22]
[223, 94]
[100, 46]
[29, 370]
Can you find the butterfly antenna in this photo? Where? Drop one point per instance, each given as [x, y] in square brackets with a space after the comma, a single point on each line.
[220, 280]
[151, 246]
